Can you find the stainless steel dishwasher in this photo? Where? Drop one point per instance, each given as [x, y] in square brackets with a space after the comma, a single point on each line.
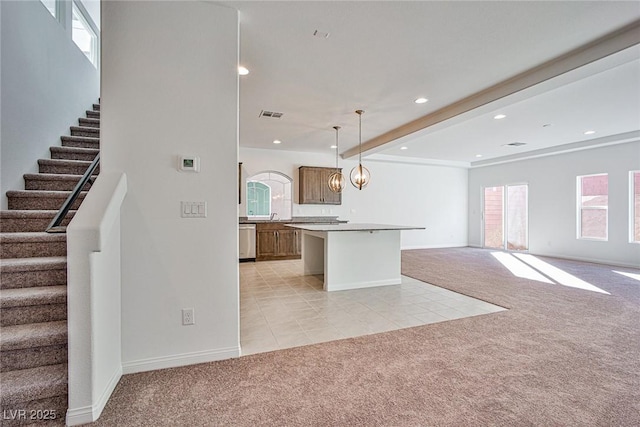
[247, 235]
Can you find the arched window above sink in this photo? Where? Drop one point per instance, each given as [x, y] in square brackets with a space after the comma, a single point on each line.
[269, 193]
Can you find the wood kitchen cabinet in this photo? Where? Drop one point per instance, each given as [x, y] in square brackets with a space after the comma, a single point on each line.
[314, 186]
[276, 241]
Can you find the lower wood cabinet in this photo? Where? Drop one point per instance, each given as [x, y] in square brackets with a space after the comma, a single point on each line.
[276, 241]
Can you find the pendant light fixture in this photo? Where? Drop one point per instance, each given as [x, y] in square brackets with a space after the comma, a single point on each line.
[360, 175]
[336, 179]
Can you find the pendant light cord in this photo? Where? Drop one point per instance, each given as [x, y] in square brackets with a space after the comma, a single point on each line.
[359, 112]
[337, 146]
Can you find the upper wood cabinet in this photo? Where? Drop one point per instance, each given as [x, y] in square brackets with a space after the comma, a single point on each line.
[314, 186]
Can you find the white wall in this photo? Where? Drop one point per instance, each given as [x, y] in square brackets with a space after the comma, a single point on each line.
[434, 197]
[552, 201]
[93, 9]
[47, 83]
[169, 87]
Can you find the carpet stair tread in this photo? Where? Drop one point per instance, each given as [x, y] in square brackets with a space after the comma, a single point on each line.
[20, 220]
[85, 131]
[73, 153]
[32, 237]
[33, 384]
[89, 122]
[26, 297]
[72, 138]
[16, 265]
[29, 335]
[45, 194]
[55, 162]
[53, 176]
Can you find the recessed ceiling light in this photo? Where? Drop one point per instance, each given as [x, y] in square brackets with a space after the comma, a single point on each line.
[277, 141]
[334, 146]
[420, 100]
[478, 155]
[590, 132]
[404, 148]
[243, 71]
[499, 116]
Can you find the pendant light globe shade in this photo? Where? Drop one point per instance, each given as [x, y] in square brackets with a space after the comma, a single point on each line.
[336, 182]
[360, 176]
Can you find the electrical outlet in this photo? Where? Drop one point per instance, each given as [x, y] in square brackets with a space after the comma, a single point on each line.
[188, 317]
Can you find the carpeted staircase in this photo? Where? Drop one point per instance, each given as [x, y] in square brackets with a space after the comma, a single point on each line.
[33, 295]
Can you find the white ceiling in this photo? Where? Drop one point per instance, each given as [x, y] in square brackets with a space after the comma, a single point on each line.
[380, 56]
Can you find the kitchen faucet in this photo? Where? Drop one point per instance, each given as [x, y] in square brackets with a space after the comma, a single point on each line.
[273, 215]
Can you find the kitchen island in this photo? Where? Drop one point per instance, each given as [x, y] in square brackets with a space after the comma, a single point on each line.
[352, 256]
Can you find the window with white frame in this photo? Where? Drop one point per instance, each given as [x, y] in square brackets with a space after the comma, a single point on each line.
[83, 34]
[634, 204]
[593, 206]
[52, 7]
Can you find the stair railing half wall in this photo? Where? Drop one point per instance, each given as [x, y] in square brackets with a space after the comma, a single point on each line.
[94, 298]
[54, 226]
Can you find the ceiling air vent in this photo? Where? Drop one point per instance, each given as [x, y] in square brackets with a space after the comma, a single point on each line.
[271, 114]
[516, 144]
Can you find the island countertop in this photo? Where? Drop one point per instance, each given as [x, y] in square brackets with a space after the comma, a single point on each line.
[352, 227]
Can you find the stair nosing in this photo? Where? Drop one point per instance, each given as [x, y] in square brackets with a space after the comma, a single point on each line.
[35, 213]
[30, 236]
[13, 265]
[50, 177]
[43, 193]
[74, 149]
[77, 137]
[63, 161]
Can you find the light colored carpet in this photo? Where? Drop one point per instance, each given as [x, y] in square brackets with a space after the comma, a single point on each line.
[559, 356]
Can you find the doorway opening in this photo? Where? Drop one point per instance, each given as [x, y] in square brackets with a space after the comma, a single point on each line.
[505, 217]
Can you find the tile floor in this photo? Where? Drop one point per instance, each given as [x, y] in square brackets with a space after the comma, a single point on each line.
[282, 308]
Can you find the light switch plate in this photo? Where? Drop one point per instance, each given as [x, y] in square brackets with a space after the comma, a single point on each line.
[193, 209]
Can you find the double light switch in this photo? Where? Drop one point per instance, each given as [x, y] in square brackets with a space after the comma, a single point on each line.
[193, 209]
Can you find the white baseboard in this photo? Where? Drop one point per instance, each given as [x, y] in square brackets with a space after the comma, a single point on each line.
[360, 285]
[552, 255]
[91, 413]
[176, 360]
[583, 259]
[451, 245]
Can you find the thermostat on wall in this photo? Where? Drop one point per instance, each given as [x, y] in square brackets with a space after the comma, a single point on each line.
[189, 164]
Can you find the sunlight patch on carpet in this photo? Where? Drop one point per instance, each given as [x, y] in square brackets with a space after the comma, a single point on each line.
[519, 268]
[560, 276]
[630, 275]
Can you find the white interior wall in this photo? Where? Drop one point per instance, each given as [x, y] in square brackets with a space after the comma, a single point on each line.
[47, 83]
[169, 88]
[552, 201]
[434, 197]
[93, 9]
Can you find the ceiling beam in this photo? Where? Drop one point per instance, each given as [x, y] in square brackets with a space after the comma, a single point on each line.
[602, 47]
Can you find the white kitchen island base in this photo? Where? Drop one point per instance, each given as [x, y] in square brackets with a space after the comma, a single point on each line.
[352, 256]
